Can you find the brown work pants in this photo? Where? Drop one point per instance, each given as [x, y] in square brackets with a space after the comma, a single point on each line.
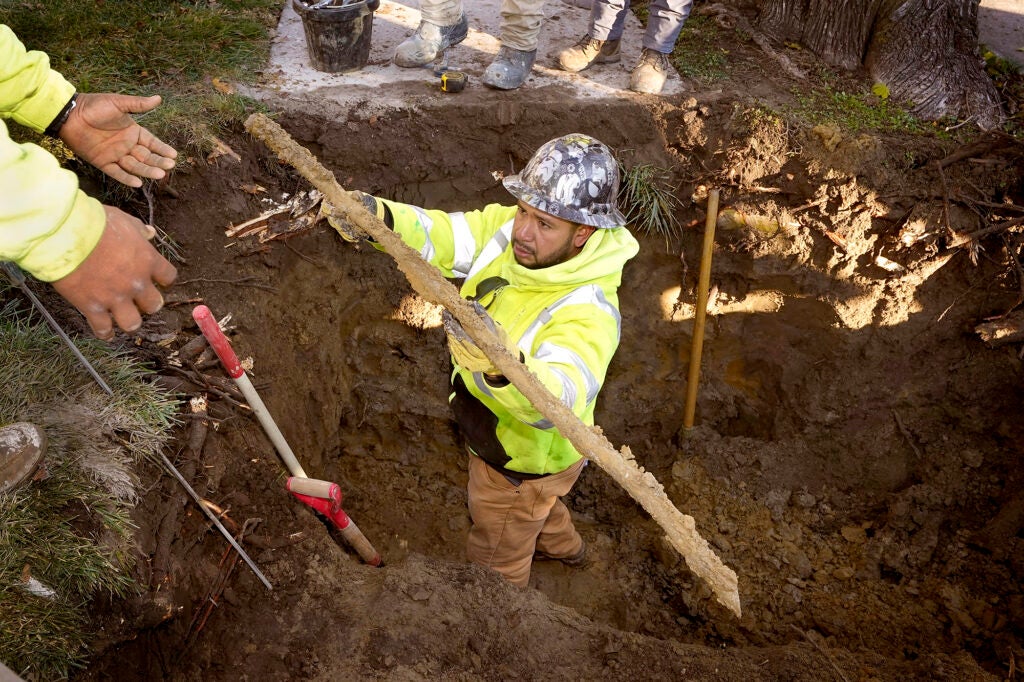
[510, 522]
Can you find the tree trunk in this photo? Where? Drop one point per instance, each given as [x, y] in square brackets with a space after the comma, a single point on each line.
[924, 51]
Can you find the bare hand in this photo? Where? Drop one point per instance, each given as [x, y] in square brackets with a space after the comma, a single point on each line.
[116, 283]
[100, 131]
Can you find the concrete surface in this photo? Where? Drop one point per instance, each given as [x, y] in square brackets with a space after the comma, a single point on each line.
[1001, 28]
[290, 74]
[291, 77]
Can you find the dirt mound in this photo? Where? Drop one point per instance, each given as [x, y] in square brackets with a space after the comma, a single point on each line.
[854, 434]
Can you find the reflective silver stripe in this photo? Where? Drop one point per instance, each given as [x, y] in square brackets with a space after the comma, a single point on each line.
[543, 425]
[478, 379]
[549, 352]
[492, 249]
[427, 252]
[568, 396]
[591, 294]
[465, 244]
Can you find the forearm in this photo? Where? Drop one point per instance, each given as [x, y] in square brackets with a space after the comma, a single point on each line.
[47, 225]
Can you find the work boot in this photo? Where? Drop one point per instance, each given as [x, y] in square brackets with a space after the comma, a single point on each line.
[22, 446]
[509, 69]
[429, 41]
[650, 72]
[577, 560]
[589, 51]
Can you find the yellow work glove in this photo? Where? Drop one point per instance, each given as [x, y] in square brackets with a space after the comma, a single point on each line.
[348, 231]
[465, 352]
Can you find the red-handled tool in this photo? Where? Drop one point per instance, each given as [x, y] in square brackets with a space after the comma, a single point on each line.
[322, 496]
[220, 344]
[325, 498]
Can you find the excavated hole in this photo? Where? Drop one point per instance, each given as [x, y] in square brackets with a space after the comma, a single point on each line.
[360, 371]
[850, 437]
[376, 418]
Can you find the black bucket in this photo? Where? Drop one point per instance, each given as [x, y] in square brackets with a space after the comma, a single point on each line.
[338, 37]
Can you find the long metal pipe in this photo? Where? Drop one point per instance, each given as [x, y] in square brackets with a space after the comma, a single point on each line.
[216, 521]
[18, 278]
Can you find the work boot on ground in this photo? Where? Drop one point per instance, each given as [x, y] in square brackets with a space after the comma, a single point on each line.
[22, 446]
[588, 51]
[509, 69]
[577, 560]
[429, 41]
[650, 72]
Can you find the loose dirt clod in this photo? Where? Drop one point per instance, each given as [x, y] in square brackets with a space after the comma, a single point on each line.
[641, 485]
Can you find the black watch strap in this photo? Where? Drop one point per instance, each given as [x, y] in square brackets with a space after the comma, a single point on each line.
[53, 130]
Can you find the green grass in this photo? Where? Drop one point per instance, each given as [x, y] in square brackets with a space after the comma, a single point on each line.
[155, 47]
[1009, 81]
[698, 52]
[649, 201]
[71, 530]
[854, 112]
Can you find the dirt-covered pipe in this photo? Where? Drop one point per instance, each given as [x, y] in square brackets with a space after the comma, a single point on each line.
[680, 529]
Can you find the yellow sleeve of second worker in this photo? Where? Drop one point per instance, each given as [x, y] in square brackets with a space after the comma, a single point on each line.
[47, 225]
[31, 93]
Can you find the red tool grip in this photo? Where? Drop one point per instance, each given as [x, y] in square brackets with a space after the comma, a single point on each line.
[220, 344]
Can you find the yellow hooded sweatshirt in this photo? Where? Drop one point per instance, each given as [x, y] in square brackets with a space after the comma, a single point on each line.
[47, 225]
[563, 318]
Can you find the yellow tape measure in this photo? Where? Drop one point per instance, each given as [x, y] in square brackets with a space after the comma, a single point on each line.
[453, 81]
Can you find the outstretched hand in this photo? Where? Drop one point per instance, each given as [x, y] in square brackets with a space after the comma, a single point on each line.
[101, 131]
[117, 282]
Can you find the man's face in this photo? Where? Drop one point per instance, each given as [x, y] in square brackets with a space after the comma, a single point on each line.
[540, 240]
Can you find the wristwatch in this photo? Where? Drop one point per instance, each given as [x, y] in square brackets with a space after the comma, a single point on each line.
[53, 130]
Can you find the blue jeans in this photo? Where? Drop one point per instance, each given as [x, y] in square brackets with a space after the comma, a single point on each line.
[664, 21]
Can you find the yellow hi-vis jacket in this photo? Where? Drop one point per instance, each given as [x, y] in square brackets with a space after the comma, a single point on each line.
[563, 318]
[47, 225]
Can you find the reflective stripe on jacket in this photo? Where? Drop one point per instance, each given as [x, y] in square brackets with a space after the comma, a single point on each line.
[47, 225]
[564, 318]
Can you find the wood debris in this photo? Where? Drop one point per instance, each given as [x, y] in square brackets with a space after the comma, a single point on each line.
[221, 148]
[297, 215]
[222, 86]
[1003, 331]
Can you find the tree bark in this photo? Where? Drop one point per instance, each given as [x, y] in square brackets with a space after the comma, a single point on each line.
[924, 51]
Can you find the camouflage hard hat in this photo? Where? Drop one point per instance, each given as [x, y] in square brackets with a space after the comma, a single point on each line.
[573, 177]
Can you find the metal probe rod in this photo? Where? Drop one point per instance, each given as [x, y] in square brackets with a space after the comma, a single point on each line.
[18, 278]
[216, 521]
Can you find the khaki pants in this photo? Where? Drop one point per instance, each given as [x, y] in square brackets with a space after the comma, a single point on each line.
[520, 19]
[511, 522]
[520, 23]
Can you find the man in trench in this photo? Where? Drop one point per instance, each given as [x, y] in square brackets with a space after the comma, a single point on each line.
[544, 275]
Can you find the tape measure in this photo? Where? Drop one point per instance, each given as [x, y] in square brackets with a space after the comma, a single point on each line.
[453, 81]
